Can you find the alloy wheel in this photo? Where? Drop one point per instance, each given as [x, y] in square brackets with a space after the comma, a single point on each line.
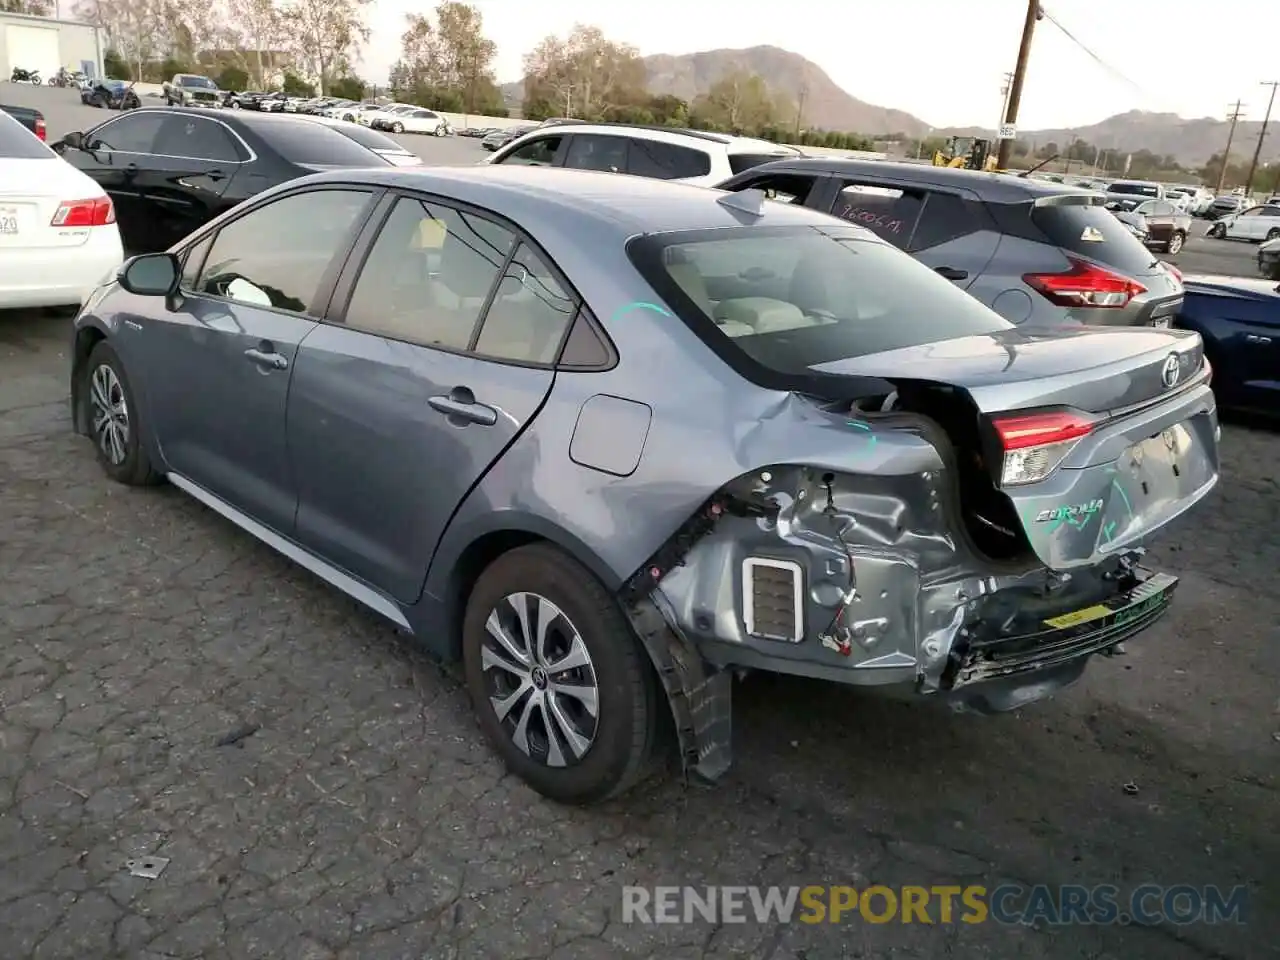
[540, 679]
[110, 414]
[1175, 243]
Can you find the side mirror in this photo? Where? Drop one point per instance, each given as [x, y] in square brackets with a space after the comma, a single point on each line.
[74, 140]
[150, 274]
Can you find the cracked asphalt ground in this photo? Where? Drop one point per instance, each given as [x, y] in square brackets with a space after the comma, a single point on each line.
[364, 817]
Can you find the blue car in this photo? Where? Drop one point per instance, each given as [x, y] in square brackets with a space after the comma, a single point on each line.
[1239, 320]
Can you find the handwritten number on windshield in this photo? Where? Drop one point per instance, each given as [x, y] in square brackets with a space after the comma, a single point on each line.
[871, 219]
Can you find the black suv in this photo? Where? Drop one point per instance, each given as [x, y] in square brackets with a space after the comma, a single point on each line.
[1034, 252]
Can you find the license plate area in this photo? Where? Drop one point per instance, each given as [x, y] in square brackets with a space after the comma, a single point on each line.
[15, 220]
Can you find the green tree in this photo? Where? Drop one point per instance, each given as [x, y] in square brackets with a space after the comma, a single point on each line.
[295, 86]
[349, 87]
[738, 102]
[233, 78]
[326, 35]
[582, 75]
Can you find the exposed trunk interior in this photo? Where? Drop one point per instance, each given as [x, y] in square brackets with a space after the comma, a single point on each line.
[990, 521]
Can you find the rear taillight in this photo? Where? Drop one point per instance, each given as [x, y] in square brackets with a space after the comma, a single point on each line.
[41, 130]
[1085, 285]
[97, 212]
[1035, 444]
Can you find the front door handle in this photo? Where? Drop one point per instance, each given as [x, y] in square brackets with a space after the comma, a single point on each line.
[952, 273]
[268, 360]
[460, 405]
[216, 175]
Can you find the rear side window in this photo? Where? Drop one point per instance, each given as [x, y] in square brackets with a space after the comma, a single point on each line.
[1091, 231]
[887, 212]
[666, 161]
[314, 143]
[19, 143]
[745, 161]
[946, 217]
[195, 137]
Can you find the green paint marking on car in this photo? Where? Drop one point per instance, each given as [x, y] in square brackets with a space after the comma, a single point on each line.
[1123, 496]
[859, 425]
[626, 308]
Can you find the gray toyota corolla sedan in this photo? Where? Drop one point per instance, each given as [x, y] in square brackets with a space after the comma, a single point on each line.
[610, 440]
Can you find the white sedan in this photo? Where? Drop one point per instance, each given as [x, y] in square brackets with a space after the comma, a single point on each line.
[385, 112]
[1256, 224]
[58, 234]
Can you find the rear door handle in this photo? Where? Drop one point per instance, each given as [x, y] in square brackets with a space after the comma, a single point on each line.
[267, 359]
[952, 273]
[461, 404]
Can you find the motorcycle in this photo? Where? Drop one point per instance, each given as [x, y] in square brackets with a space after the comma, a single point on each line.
[25, 76]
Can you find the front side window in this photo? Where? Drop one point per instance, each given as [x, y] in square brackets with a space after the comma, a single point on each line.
[536, 153]
[529, 315]
[428, 275]
[276, 256]
[135, 133]
[790, 299]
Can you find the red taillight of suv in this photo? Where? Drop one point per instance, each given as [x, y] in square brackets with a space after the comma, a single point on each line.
[41, 130]
[1035, 443]
[97, 212]
[1085, 285]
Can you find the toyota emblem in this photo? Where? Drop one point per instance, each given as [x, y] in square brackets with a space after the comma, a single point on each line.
[1171, 370]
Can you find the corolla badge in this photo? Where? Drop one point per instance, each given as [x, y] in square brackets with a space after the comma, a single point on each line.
[1171, 371]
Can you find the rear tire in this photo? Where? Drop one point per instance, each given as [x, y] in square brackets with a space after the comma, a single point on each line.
[1218, 231]
[113, 419]
[548, 736]
[1176, 242]
[1273, 233]
[397, 128]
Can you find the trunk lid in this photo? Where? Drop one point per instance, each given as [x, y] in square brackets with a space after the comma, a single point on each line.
[30, 193]
[1099, 437]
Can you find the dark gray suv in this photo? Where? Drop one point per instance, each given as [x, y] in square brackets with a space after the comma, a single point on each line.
[1034, 252]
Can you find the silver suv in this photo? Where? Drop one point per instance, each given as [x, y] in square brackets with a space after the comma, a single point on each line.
[1033, 251]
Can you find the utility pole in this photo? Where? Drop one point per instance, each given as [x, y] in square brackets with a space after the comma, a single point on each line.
[1019, 77]
[1231, 135]
[1257, 151]
[803, 95]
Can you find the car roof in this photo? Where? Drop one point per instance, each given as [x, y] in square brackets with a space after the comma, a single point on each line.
[567, 200]
[996, 187]
[677, 135]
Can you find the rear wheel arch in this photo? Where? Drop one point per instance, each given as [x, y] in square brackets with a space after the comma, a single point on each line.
[454, 571]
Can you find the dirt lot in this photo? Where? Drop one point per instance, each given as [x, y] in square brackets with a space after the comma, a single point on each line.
[364, 817]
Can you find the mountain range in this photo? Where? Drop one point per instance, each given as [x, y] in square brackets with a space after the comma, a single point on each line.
[828, 106]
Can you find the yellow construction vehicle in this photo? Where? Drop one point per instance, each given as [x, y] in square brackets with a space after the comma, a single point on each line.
[966, 153]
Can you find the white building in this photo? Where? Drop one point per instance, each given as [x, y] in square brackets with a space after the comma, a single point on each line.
[45, 44]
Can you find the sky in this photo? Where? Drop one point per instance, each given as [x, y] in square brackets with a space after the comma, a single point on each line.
[940, 60]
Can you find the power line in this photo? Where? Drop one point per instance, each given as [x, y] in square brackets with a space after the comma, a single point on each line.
[1114, 71]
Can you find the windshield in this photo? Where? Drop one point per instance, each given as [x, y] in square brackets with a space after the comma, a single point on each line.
[1140, 189]
[1091, 231]
[204, 83]
[793, 298]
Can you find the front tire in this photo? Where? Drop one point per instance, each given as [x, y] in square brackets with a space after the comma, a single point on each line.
[1273, 233]
[112, 417]
[1218, 231]
[562, 688]
[1176, 242]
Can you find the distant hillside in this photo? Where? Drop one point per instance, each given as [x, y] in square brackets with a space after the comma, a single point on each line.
[1192, 142]
[788, 74]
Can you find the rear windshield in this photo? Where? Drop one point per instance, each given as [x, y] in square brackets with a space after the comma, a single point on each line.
[19, 143]
[1138, 189]
[793, 298]
[1091, 231]
[313, 143]
[745, 161]
[370, 139]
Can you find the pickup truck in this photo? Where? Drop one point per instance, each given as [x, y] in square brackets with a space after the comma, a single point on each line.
[192, 90]
[33, 120]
